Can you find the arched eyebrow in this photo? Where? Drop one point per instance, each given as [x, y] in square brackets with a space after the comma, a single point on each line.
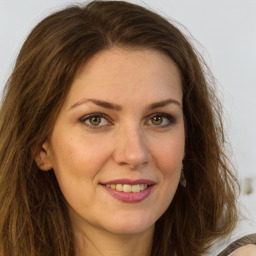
[117, 107]
[100, 103]
[164, 103]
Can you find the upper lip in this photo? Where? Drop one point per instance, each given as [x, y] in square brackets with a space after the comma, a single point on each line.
[130, 182]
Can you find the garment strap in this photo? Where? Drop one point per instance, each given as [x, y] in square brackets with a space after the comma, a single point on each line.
[243, 241]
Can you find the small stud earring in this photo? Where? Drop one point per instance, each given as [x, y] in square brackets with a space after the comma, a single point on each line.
[183, 181]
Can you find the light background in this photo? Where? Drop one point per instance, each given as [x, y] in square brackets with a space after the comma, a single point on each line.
[225, 33]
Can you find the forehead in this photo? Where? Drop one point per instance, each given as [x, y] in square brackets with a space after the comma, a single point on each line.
[118, 59]
[118, 73]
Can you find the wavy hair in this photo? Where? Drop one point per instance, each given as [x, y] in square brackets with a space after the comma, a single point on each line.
[33, 214]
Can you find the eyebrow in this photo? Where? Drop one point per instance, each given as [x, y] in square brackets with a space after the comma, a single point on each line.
[164, 103]
[117, 107]
[100, 103]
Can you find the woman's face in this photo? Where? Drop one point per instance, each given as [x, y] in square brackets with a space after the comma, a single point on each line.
[118, 143]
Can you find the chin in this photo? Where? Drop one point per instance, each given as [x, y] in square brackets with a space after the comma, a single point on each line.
[130, 225]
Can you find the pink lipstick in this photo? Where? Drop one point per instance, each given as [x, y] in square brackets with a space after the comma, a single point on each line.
[129, 191]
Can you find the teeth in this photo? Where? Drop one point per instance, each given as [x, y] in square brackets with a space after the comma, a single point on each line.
[135, 188]
[119, 187]
[127, 187]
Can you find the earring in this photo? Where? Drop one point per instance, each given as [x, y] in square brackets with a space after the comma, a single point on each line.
[183, 181]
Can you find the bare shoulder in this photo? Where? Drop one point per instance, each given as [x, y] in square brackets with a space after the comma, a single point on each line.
[247, 250]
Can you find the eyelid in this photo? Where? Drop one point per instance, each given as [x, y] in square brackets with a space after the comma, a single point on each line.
[101, 115]
[171, 119]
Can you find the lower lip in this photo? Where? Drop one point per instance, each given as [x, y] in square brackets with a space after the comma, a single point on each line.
[130, 197]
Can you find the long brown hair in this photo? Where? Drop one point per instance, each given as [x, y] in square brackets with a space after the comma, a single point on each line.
[33, 215]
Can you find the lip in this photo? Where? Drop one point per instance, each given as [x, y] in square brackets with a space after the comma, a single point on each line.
[130, 197]
[130, 182]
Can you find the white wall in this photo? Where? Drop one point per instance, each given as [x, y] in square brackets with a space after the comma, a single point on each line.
[226, 31]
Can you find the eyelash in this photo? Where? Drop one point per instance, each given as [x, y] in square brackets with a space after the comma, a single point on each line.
[170, 120]
[89, 117]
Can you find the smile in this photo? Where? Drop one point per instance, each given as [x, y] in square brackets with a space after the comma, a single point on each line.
[129, 191]
[127, 187]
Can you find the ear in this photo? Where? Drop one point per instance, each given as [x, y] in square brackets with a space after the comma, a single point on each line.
[42, 157]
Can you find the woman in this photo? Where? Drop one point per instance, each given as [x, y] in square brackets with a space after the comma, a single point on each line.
[112, 140]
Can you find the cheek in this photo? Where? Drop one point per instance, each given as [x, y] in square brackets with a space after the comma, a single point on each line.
[75, 170]
[170, 155]
[169, 162]
[77, 158]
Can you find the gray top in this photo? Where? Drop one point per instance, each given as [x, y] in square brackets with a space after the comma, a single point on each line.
[249, 239]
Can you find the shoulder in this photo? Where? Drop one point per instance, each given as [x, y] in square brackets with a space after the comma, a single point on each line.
[244, 246]
[248, 250]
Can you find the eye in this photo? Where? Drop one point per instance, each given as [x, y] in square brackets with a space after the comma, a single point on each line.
[157, 120]
[161, 119]
[95, 121]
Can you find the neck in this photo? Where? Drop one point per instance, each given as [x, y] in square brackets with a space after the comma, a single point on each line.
[95, 242]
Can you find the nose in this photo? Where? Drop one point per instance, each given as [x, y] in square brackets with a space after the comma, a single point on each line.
[131, 148]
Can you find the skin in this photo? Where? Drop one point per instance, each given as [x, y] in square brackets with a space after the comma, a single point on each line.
[248, 250]
[126, 143]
